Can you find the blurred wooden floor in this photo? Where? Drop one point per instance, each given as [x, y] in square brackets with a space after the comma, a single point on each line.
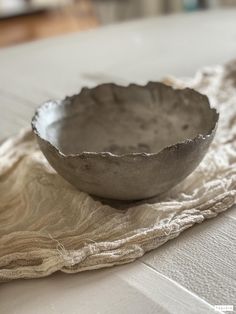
[83, 15]
[48, 23]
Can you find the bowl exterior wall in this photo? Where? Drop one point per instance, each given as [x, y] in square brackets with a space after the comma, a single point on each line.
[132, 177]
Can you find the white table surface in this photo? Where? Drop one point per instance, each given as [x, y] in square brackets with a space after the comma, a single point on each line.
[187, 275]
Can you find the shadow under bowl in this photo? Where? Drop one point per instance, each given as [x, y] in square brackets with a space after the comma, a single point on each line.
[126, 142]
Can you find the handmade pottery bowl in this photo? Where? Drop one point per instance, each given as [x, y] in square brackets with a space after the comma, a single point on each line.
[126, 143]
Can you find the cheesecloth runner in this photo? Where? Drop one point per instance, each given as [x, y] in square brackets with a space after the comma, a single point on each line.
[47, 225]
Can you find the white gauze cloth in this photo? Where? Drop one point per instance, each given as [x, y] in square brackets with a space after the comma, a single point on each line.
[47, 225]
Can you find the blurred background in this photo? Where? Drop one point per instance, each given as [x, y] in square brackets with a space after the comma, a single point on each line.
[26, 20]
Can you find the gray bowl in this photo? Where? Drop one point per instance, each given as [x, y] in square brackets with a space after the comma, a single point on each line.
[126, 143]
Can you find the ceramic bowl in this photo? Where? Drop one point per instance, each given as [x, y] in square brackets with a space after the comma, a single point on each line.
[126, 143]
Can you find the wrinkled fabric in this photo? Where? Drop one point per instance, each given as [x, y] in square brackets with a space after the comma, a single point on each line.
[47, 225]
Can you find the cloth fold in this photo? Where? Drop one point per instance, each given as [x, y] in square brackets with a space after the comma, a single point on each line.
[47, 225]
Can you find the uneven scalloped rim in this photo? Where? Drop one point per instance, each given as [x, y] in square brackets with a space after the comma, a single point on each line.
[200, 137]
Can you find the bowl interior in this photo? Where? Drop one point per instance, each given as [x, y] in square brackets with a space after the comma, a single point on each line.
[122, 120]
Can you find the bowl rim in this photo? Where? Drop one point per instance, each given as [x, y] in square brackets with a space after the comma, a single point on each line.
[85, 154]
